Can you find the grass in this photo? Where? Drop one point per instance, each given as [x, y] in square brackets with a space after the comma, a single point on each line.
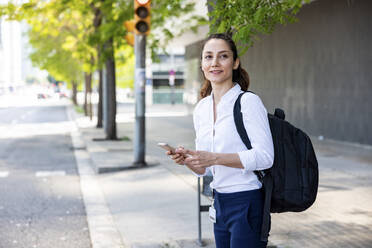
[125, 138]
[78, 109]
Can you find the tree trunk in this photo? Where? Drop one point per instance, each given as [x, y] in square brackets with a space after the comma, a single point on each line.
[74, 93]
[85, 106]
[97, 21]
[88, 95]
[100, 103]
[111, 91]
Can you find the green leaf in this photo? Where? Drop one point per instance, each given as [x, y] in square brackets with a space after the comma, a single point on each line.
[251, 18]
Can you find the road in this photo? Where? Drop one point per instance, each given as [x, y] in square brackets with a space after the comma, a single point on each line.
[41, 204]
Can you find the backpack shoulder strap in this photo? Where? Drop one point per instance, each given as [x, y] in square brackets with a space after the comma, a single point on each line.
[239, 124]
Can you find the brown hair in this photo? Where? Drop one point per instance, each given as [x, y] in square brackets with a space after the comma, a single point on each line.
[240, 76]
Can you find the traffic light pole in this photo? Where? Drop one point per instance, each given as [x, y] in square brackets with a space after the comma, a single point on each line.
[140, 106]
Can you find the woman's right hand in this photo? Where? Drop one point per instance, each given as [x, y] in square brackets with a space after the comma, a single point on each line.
[177, 156]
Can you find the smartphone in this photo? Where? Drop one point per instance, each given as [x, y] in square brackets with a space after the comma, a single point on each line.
[167, 147]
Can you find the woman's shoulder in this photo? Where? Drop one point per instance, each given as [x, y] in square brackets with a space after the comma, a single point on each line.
[250, 96]
[252, 100]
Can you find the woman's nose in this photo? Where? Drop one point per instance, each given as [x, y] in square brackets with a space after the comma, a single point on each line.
[215, 61]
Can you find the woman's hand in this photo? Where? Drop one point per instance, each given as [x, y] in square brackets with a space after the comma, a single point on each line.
[199, 159]
[177, 156]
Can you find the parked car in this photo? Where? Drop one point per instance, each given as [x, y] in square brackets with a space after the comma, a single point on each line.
[41, 95]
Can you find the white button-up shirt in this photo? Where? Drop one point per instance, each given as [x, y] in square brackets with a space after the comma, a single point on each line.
[222, 137]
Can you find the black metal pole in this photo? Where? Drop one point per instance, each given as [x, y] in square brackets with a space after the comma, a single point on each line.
[200, 243]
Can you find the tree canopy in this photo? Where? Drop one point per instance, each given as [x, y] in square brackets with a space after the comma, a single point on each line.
[246, 20]
[78, 29]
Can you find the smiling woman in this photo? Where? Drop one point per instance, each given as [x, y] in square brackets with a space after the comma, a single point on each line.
[237, 211]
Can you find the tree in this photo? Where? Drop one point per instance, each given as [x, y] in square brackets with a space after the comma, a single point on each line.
[91, 31]
[109, 37]
[49, 55]
[124, 57]
[57, 38]
[246, 20]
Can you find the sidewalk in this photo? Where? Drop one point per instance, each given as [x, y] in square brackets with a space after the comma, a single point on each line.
[157, 206]
[154, 206]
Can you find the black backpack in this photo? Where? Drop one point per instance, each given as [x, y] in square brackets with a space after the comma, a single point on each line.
[291, 184]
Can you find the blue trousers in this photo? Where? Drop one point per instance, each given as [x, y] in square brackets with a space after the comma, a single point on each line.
[238, 219]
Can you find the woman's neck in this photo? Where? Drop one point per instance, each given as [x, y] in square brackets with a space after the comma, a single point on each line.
[220, 89]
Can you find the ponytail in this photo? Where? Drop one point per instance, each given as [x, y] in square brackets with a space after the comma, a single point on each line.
[241, 77]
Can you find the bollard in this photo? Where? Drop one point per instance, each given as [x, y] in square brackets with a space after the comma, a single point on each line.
[203, 208]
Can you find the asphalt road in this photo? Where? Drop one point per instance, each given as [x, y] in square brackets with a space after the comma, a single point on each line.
[41, 204]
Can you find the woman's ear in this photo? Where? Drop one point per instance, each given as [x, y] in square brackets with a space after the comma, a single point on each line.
[236, 64]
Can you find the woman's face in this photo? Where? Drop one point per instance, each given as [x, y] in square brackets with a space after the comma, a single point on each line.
[218, 62]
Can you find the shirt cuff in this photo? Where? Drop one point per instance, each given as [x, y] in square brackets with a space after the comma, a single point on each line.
[248, 161]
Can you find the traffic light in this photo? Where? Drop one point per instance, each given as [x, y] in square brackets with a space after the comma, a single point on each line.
[142, 14]
[129, 25]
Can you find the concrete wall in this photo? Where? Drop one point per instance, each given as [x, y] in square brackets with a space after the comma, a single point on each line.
[319, 70]
[193, 75]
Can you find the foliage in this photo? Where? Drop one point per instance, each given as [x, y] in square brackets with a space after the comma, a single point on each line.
[247, 19]
[170, 19]
[78, 109]
[49, 52]
[57, 37]
[75, 32]
[124, 58]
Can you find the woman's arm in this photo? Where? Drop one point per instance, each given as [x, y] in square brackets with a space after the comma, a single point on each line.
[256, 123]
[203, 159]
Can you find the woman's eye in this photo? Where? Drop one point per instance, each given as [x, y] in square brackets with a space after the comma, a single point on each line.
[224, 56]
[207, 56]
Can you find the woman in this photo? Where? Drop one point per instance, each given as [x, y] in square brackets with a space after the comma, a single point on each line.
[238, 200]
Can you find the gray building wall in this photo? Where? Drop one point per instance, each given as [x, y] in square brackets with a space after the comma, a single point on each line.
[319, 70]
[193, 74]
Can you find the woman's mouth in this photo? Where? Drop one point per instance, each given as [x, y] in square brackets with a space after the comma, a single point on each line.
[216, 71]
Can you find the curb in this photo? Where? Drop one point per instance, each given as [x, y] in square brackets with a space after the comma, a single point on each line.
[102, 230]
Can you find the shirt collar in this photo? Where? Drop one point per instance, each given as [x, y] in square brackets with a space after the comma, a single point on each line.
[230, 95]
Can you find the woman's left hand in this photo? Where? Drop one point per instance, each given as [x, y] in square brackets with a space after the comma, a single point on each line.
[199, 159]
